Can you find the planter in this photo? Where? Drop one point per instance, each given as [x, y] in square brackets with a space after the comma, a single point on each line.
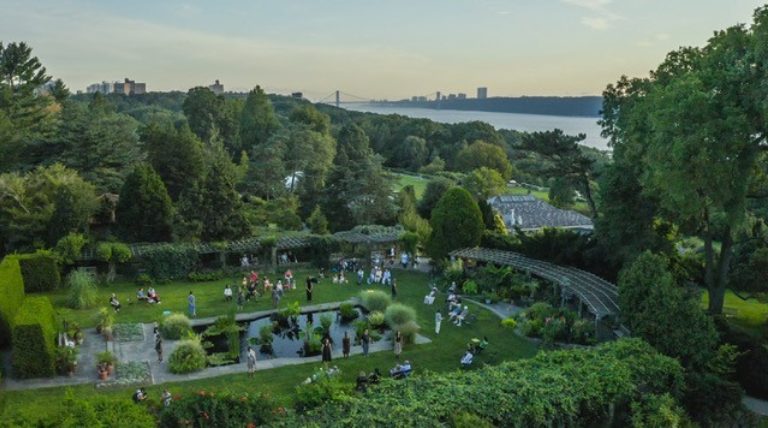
[110, 369]
[103, 374]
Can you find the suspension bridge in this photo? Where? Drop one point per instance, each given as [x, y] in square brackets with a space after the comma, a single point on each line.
[339, 98]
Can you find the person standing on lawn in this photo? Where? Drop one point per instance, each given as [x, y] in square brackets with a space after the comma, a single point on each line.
[346, 344]
[309, 289]
[327, 348]
[365, 340]
[394, 288]
[438, 321]
[251, 361]
[191, 305]
[398, 344]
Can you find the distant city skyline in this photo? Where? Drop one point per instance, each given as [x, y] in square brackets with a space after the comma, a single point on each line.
[395, 49]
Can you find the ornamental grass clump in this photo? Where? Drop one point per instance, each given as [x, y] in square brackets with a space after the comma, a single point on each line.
[175, 326]
[83, 293]
[375, 300]
[188, 357]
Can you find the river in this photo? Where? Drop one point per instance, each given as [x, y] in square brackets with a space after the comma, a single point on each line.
[517, 121]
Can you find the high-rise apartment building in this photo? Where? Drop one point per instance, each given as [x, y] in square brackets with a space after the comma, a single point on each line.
[482, 93]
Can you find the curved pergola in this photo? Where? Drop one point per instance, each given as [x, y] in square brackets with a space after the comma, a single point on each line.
[600, 296]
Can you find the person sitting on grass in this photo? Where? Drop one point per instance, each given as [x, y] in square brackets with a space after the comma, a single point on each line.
[374, 377]
[152, 296]
[140, 395]
[461, 316]
[362, 382]
[401, 371]
[141, 296]
[430, 298]
[454, 311]
[114, 303]
[227, 293]
[466, 360]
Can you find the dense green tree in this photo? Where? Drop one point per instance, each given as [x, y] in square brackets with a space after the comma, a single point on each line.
[29, 202]
[656, 309]
[317, 222]
[307, 114]
[561, 193]
[699, 151]
[432, 194]
[59, 91]
[481, 154]
[566, 159]
[358, 189]
[456, 223]
[257, 120]
[410, 154]
[221, 210]
[74, 205]
[175, 153]
[484, 182]
[145, 211]
[24, 114]
[101, 144]
[203, 110]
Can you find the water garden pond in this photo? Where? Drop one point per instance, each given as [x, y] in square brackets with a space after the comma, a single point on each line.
[279, 336]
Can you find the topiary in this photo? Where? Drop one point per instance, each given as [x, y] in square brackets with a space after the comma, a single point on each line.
[469, 287]
[189, 356]
[509, 323]
[83, 292]
[40, 271]
[34, 335]
[398, 314]
[175, 326]
[375, 300]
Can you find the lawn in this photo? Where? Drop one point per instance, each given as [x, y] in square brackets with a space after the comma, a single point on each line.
[441, 355]
[750, 314]
[419, 183]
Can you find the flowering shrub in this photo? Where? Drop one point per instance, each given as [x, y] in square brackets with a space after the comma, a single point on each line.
[206, 409]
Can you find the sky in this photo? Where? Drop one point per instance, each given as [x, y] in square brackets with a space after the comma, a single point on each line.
[367, 48]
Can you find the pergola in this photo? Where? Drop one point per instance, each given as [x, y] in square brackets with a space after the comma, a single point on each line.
[600, 296]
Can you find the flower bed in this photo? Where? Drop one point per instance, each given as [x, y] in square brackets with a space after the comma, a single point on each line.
[129, 373]
[132, 332]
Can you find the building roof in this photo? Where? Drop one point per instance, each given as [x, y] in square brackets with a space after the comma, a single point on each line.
[526, 212]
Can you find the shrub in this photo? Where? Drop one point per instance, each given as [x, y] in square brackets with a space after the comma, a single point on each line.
[144, 280]
[175, 326]
[169, 261]
[83, 293]
[11, 296]
[65, 359]
[205, 409]
[325, 389]
[326, 320]
[583, 332]
[469, 420]
[532, 328]
[554, 331]
[34, 336]
[376, 319]
[70, 247]
[189, 356]
[106, 357]
[409, 330]
[347, 312]
[398, 314]
[509, 323]
[312, 343]
[469, 287]
[375, 300]
[539, 311]
[40, 271]
[266, 338]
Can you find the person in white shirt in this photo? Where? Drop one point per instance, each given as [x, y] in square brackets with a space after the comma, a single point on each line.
[227, 293]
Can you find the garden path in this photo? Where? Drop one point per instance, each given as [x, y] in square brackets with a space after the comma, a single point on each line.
[144, 351]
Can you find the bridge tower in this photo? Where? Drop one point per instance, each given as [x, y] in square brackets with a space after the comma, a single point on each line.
[338, 98]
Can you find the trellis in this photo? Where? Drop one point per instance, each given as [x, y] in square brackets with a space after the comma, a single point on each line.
[600, 296]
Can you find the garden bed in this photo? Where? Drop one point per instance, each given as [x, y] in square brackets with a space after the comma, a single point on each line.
[129, 373]
[129, 332]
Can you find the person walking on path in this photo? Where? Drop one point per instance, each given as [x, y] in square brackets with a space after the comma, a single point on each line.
[346, 344]
[309, 289]
[438, 321]
[159, 348]
[394, 288]
[365, 340]
[327, 348]
[398, 344]
[191, 305]
[251, 361]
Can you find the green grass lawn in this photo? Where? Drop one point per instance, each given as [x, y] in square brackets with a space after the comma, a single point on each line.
[419, 183]
[750, 314]
[441, 355]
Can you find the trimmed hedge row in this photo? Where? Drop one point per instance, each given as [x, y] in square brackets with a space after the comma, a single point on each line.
[34, 336]
[11, 296]
[40, 271]
[576, 387]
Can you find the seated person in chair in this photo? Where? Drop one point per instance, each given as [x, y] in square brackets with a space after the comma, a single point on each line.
[460, 317]
[401, 371]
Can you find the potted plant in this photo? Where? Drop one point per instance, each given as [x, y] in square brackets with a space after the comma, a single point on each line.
[66, 360]
[107, 359]
[106, 331]
[76, 334]
[104, 318]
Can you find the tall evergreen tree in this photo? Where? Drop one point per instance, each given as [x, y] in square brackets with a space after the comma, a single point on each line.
[175, 153]
[257, 120]
[145, 211]
[456, 223]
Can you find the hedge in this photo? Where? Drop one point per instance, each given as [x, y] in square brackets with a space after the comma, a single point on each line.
[169, 261]
[563, 388]
[40, 271]
[11, 296]
[34, 336]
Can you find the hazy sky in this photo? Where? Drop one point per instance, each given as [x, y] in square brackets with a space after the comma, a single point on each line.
[379, 49]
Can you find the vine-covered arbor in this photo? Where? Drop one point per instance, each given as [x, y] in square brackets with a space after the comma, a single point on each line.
[600, 297]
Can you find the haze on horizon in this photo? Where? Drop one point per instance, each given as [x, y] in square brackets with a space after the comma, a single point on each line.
[391, 49]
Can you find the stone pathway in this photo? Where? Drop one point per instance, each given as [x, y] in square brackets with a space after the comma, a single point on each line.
[145, 351]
